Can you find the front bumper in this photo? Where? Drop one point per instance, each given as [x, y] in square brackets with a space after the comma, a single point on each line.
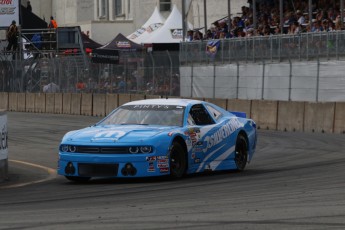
[119, 166]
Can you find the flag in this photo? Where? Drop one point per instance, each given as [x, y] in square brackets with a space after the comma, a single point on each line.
[212, 48]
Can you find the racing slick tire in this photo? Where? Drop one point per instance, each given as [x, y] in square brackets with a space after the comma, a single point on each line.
[78, 179]
[178, 162]
[241, 153]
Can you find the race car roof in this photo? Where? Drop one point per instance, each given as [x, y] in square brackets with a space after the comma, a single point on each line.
[168, 101]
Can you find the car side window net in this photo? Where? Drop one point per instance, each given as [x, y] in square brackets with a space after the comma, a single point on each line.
[200, 115]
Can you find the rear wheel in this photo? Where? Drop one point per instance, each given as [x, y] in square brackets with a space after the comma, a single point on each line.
[178, 162]
[241, 153]
[78, 179]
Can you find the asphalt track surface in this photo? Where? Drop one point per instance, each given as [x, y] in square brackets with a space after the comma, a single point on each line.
[295, 181]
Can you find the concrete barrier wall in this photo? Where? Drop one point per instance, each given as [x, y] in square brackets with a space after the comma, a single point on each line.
[40, 103]
[319, 117]
[264, 113]
[124, 98]
[326, 117]
[50, 103]
[111, 102]
[339, 118]
[30, 102]
[12, 101]
[75, 103]
[99, 101]
[240, 106]
[58, 100]
[290, 116]
[86, 104]
[66, 103]
[220, 102]
[4, 100]
[21, 102]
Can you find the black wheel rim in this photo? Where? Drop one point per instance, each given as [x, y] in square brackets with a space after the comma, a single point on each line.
[241, 155]
[176, 164]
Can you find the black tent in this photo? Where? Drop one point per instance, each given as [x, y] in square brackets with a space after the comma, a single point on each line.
[29, 20]
[110, 52]
[89, 43]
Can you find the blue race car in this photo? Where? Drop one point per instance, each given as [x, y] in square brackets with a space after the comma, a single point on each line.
[159, 137]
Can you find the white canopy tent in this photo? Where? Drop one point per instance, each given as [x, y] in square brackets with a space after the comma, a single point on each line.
[170, 32]
[155, 22]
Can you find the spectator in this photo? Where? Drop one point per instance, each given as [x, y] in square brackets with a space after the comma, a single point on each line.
[53, 23]
[51, 88]
[80, 86]
[12, 36]
[300, 17]
[28, 6]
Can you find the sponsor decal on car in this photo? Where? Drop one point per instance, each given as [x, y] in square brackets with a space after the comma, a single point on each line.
[222, 133]
[151, 159]
[164, 163]
[151, 167]
[164, 170]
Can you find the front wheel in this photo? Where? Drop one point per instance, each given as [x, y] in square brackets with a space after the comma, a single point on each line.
[178, 162]
[78, 179]
[241, 153]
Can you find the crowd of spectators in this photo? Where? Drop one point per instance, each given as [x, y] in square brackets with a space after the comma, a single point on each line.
[326, 17]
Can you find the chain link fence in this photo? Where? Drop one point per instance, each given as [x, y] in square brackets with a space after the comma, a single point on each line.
[158, 72]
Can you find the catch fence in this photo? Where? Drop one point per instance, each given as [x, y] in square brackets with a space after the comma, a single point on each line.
[175, 73]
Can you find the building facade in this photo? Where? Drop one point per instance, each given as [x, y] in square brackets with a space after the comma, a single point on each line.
[104, 19]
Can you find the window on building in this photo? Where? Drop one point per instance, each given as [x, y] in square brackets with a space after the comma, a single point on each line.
[164, 5]
[103, 8]
[117, 7]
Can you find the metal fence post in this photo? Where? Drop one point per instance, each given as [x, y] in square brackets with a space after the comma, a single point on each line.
[263, 80]
[170, 78]
[238, 80]
[191, 81]
[317, 79]
[290, 80]
[214, 80]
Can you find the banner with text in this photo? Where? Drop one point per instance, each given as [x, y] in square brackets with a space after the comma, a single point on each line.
[9, 11]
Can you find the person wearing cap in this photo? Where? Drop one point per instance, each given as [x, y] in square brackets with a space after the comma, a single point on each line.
[12, 36]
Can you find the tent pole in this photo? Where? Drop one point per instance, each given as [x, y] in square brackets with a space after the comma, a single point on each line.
[205, 16]
[229, 15]
[281, 9]
[183, 21]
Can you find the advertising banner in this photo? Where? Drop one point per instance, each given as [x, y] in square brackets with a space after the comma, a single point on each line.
[9, 11]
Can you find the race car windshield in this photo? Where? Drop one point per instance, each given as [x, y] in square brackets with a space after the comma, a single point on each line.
[166, 115]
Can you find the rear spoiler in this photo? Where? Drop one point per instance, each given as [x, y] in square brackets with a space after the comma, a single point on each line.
[239, 114]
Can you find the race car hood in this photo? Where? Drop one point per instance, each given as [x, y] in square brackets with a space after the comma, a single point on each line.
[118, 134]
